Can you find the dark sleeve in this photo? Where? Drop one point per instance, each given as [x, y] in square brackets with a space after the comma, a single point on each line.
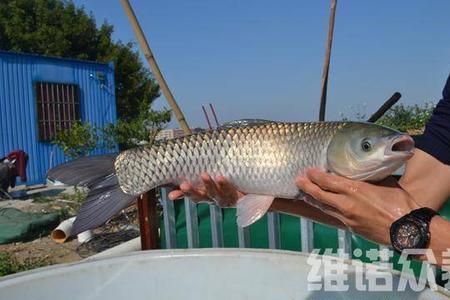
[436, 138]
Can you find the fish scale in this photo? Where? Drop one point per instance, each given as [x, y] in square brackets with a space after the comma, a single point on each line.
[260, 159]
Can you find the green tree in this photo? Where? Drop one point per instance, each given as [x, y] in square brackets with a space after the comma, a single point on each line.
[138, 131]
[407, 117]
[78, 141]
[59, 28]
[82, 138]
[403, 117]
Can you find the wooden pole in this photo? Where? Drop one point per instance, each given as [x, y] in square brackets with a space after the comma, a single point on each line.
[307, 226]
[207, 118]
[326, 66]
[148, 220]
[154, 66]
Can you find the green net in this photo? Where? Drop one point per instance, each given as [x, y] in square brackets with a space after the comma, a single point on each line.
[16, 225]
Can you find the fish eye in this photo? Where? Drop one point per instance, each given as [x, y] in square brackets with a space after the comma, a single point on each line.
[366, 146]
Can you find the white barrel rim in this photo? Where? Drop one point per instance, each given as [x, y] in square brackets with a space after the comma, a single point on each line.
[178, 254]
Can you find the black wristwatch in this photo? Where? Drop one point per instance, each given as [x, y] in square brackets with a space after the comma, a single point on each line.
[412, 231]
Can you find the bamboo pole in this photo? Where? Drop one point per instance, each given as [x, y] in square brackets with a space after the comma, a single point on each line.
[154, 66]
[326, 66]
[307, 229]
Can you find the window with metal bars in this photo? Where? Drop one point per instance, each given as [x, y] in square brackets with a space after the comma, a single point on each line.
[58, 107]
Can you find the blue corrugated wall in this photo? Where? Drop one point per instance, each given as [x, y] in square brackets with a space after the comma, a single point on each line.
[18, 116]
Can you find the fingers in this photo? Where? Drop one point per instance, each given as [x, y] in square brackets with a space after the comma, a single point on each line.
[329, 210]
[228, 191]
[317, 204]
[329, 182]
[325, 197]
[210, 186]
[176, 194]
[221, 188]
[390, 181]
[187, 190]
[220, 191]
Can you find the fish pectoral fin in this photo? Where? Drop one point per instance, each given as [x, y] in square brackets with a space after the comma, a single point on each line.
[251, 208]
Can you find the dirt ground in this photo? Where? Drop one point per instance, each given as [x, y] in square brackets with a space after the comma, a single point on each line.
[43, 249]
[45, 200]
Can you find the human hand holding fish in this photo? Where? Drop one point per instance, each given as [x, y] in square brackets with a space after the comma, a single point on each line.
[219, 191]
[365, 208]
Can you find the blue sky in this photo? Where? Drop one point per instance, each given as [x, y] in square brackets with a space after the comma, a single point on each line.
[263, 59]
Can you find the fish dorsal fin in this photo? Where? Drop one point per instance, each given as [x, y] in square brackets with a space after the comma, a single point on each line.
[251, 208]
[245, 123]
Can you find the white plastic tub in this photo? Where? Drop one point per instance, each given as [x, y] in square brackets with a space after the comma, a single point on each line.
[187, 274]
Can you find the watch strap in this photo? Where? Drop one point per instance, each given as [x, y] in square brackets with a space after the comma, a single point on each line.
[424, 214]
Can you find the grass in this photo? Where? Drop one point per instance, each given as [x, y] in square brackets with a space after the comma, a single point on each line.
[10, 265]
[64, 204]
[42, 199]
[78, 196]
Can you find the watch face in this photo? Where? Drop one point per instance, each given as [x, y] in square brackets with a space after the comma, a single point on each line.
[408, 235]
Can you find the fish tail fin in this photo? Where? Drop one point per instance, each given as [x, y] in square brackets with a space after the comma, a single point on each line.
[86, 171]
[103, 201]
[105, 197]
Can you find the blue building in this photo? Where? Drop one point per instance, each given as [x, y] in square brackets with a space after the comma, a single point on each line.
[40, 94]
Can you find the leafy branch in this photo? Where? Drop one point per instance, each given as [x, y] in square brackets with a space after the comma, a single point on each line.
[77, 141]
[138, 131]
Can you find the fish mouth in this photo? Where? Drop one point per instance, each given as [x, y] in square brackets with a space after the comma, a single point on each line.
[401, 145]
[400, 148]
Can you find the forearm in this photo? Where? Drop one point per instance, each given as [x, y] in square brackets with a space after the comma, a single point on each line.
[301, 208]
[439, 244]
[427, 173]
[426, 179]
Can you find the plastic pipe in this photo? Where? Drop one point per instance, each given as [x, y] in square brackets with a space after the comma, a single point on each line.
[84, 237]
[61, 233]
[127, 247]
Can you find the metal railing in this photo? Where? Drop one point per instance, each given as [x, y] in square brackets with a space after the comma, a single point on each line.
[217, 236]
[344, 237]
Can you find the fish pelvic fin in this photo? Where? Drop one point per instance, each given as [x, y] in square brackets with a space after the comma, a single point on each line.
[251, 208]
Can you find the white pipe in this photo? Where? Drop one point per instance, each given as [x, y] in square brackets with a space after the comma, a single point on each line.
[127, 247]
[84, 237]
[61, 233]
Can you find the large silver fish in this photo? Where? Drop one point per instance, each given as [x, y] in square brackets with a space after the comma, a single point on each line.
[261, 160]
